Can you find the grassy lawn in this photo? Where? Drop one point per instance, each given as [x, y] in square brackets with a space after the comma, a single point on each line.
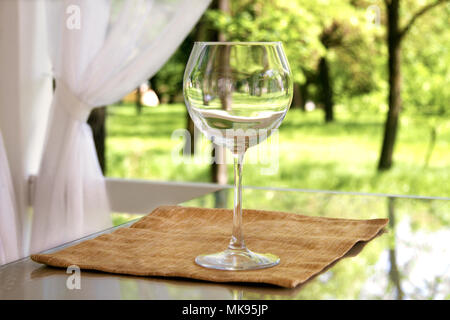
[338, 156]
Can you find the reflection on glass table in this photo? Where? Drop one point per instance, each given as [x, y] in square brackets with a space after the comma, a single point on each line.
[410, 260]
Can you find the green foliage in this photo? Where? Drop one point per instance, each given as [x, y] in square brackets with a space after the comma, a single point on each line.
[169, 79]
[426, 65]
[357, 56]
[284, 21]
[357, 53]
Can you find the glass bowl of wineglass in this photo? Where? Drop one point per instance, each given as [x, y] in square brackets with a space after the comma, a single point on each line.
[237, 94]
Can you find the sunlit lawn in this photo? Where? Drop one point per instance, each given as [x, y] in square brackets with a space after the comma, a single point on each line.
[338, 156]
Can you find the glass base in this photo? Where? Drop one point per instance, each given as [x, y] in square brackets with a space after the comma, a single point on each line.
[242, 259]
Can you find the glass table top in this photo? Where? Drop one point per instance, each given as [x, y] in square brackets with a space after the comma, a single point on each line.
[410, 260]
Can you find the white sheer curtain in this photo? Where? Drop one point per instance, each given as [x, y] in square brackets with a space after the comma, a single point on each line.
[115, 46]
[9, 249]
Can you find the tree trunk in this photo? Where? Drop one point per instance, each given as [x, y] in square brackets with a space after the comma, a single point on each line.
[431, 144]
[189, 146]
[201, 34]
[304, 94]
[394, 273]
[327, 90]
[96, 121]
[300, 96]
[152, 84]
[219, 167]
[138, 100]
[219, 170]
[394, 100]
[224, 6]
[297, 99]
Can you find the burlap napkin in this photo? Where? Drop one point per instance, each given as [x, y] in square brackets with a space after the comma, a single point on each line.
[166, 242]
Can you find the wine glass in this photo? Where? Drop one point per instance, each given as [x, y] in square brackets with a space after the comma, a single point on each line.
[237, 93]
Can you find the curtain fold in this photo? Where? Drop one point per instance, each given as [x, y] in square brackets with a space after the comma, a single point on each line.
[119, 44]
[9, 249]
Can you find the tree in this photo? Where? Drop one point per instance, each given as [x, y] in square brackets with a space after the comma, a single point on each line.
[394, 272]
[426, 72]
[290, 22]
[219, 167]
[314, 37]
[299, 96]
[395, 36]
[138, 100]
[330, 37]
[345, 67]
[201, 33]
[96, 121]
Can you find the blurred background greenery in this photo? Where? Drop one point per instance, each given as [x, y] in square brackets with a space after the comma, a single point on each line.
[370, 114]
[346, 129]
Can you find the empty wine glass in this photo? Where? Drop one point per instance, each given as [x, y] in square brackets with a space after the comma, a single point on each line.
[237, 93]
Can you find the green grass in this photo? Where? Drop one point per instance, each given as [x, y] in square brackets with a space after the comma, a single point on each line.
[312, 155]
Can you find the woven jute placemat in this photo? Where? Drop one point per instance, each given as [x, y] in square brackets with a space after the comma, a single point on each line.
[166, 242]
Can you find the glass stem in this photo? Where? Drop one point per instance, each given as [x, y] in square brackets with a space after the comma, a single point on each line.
[237, 238]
